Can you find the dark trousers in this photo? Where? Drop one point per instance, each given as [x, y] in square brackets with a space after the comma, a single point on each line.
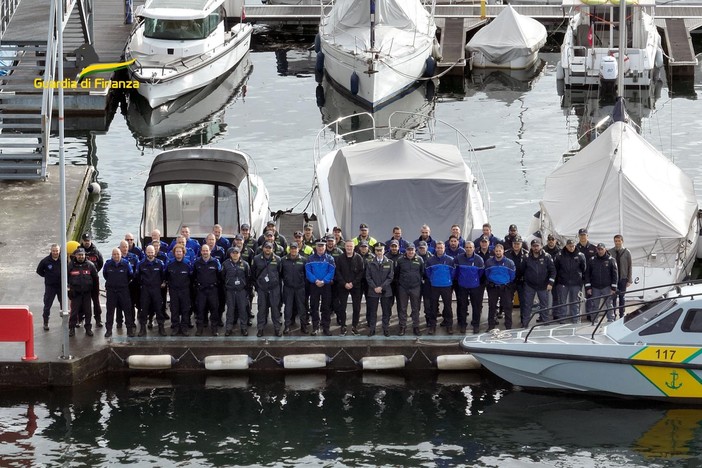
[294, 299]
[372, 307]
[180, 307]
[207, 300]
[474, 297]
[135, 297]
[150, 304]
[118, 298]
[504, 295]
[80, 307]
[618, 298]
[50, 292]
[237, 308]
[413, 296]
[343, 297]
[268, 299]
[529, 294]
[445, 295]
[425, 292]
[320, 300]
[95, 297]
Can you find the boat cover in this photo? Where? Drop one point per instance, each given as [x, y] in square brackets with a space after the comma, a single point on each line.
[621, 169]
[199, 165]
[509, 36]
[399, 182]
[398, 25]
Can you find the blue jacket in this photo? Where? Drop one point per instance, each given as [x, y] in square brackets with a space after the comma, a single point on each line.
[403, 244]
[151, 273]
[469, 270]
[117, 275]
[431, 244]
[454, 253]
[188, 258]
[189, 244]
[320, 267]
[500, 272]
[440, 271]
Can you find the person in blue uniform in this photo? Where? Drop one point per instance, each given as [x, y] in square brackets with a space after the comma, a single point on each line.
[265, 274]
[179, 276]
[118, 272]
[440, 271]
[500, 273]
[134, 293]
[397, 236]
[49, 268]
[320, 274]
[151, 275]
[470, 270]
[236, 275]
[206, 275]
[133, 248]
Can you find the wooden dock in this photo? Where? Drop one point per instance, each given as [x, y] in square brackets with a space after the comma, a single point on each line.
[681, 61]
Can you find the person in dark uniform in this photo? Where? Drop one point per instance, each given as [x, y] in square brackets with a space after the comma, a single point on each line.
[308, 236]
[363, 249]
[150, 273]
[409, 271]
[221, 241]
[294, 277]
[82, 277]
[483, 248]
[454, 249]
[517, 254]
[236, 275]
[118, 272]
[179, 278]
[49, 268]
[570, 273]
[601, 278]
[487, 233]
[134, 293]
[164, 291]
[278, 249]
[500, 274]
[425, 290]
[265, 273]
[552, 246]
[248, 239]
[303, 249]
[425, 236]
[455, 232]
[512, 233]
[348, 279]
[278, 238]
[338, 236]
[220, 255]
[394, 255]
[336, 252]
[93, 255]
[622, 256]
[133, 248]
[206, 275]
[470, 271]
[190, 243]
[440, 270]
[364, 235]
[539, 277]
[379, 274]
[397, 236]
[156, 236]
[320, 269]
[584, 245]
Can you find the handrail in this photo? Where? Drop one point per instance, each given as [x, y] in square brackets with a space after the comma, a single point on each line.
[47, 98]
[8, 8]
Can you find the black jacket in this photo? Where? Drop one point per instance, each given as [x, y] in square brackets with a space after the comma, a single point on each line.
[349, 270]
[50, 270]
[265, 272]
[539, 271]
[293, 271]
[601, 272]
[570, 268]
[409, 273]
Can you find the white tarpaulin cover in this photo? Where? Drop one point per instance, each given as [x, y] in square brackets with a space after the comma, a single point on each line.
[508, 36]
[397, 23]
[399, 182]
[619, 183]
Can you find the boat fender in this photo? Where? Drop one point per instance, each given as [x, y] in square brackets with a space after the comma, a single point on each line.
[355, 82]
[151, 362]
[305, 361]
[659, 57]
[430, 67]
[319, 93]
[317, 43]
[457, 362]
[318, 76]
[560, 73]
[227, 362]
[71, 247]
[319, 65]
[431, 91]
[383, 362]
[95, 188]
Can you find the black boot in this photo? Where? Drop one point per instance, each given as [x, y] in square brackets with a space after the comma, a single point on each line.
[130, 332]
[72, 331]
[142, 330]
[46, 325]
[88, 330]
[161, 330]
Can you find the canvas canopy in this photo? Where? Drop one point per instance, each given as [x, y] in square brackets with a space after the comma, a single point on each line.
[620, 184]
[508, 36]
[403, 183]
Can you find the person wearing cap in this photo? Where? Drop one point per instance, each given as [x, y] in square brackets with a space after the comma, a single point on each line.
[397, 236]
[394, 255]
[265, 274]
[82, 277]
[470, 271]
[247, 254]
[117, 272]
[133, 248]
[552, 246]
[483, 249]
[425, 290]
[294, 275]
[539, 277]
[236, 274]
[440, 270]
[623, 258]
[584, 245]
[380, 272]
[206, 276]
[248, 239]
[601, 278]
[348, 279]
[456, 232]
[487, 233]
[93, 255]
[364, 235]
[452, 247]
[151, 276]
[222, 241]
[179, 278]
[302, 248]
[338, 236]
[512, 233]
[517, 253]
[336, 252]
[500, 273]
[278, 249]
[570, 274]
[319, 270]
[308, 236]
[190, 243]
[409, 272]
[278, 238]
[425, 236]
[49, 268]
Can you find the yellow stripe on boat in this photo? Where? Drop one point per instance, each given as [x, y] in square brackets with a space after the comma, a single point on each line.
[103, 68]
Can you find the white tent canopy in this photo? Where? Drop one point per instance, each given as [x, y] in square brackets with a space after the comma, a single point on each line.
[509, 36]
[399, 182]
[620, 184]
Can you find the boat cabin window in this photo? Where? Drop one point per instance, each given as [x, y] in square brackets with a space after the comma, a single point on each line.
[665, 325]
[646, 313]
[693, 321]
[188, 29]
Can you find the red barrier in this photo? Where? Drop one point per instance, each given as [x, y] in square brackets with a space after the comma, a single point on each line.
[17, 324]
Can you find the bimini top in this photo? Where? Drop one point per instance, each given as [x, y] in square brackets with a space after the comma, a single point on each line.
[199, 165]
[179, 9]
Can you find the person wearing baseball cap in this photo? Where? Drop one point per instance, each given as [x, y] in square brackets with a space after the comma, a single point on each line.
[511, 234]
[236, 275]
[570, 273]
[293, 274]
[601, 278]
[265, 274]
[364, 235]
[278, 238]
[539, 277]
[584, 245]
[517, 253]
[82, 278]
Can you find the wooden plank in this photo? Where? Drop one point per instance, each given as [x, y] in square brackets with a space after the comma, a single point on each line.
[453, 41]
[679, 42]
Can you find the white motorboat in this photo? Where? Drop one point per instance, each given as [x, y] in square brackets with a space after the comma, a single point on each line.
[653, 352]
[403, 179]
[375, 51]
[510, 41]
[182, 45]
[201, 187]
[591, 43]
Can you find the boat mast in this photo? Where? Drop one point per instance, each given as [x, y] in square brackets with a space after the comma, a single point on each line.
[372, 24]
[620, 100]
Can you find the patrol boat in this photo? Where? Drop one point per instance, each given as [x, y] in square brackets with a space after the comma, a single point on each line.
[400, 177]
[201, 187]
[653, 352]
[182, 45]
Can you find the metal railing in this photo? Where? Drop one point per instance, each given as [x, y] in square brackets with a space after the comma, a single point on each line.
[7, 9]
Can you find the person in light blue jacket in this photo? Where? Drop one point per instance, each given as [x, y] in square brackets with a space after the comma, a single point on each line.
[440, 271]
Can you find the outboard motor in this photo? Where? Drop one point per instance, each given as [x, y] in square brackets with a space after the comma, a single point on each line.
[608, 78]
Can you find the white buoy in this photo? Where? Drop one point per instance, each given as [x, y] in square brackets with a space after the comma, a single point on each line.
[457, 362]
[383, 362]
[305, 361]
[228, 362]
[156, 361]
[94, 188]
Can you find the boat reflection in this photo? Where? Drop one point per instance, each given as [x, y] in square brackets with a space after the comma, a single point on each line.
[505, 85]
[334, 105]
[193, 119]
[294, 62]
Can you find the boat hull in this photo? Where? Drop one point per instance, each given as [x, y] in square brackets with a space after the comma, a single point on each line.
[478, 60]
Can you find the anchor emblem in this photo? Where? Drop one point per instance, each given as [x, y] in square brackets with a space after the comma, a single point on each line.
[672, 384]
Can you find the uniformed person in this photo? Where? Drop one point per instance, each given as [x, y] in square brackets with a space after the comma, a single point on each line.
[82, 277]
[320, 274]
[409, 271]
[179, 275]
[265, 274]
[364, 235]
[49, 268]
[293, 273]
[380, 272]
[236, 275]
[470, 270]
[440, 271]
[206, 275]
[93, 255]
[118, 272]
[151, 276]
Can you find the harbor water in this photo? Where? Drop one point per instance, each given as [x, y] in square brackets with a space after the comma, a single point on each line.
[270, 108]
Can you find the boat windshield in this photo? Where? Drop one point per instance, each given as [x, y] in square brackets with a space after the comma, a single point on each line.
[182, 29]
[646, 313]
